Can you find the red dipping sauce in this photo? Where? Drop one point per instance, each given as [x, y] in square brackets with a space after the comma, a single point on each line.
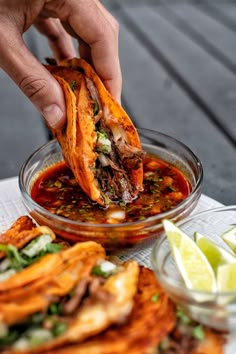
[165, 186]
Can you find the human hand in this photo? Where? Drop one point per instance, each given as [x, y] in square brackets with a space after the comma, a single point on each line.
[86, 20]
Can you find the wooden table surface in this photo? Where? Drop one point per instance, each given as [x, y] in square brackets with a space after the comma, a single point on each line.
[178, 61]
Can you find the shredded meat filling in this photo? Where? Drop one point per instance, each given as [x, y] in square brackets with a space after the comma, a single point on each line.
[131, 156]
[88, 290]
[76, 299]
[185, 345]
[113, 179]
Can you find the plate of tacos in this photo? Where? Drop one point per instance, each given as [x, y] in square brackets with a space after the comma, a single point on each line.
[58, 298]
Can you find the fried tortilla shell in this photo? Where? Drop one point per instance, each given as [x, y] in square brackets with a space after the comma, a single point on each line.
[78, 139]
[109, 302]
[17, 305]
[83, 90]
[23, 231]
[23, 223]
[152, 318]
[49, 265]
[148, 324]
[127, 313]
[115, 118]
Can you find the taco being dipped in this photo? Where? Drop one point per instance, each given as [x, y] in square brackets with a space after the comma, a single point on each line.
[99, 142]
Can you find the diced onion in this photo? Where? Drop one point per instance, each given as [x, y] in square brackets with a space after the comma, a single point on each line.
[103, 159]
[3, 330]
[21, 344]
[37, 245]
[5, 264]
[40, 335]
[118, 215]
[7, 274]
[107, 266]
[103, 143]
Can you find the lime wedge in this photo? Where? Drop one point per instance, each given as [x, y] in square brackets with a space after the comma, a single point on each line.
[173, 232]
[192, 264]
[215, 254]
[229, 237]
[226, 276]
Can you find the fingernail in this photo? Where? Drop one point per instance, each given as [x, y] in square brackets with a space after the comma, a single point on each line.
[53, 116]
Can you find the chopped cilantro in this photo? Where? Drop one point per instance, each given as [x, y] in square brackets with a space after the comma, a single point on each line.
[9, 338]
[142, 217]
[58, 184]
[53, 247]
[17, 261]
[181, 315]
[72, 85]
[155, 297]
[103, 143]
[95, 108]
[55, 309]
[59, 328]
[198, 332]
[164, 344]
[37, 318]
[97, 270]
[21, 259]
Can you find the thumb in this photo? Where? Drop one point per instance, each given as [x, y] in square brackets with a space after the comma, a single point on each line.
[35, 82]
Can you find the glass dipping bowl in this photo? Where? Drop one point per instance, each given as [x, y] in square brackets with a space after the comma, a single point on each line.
[114, 237]
[216, 310]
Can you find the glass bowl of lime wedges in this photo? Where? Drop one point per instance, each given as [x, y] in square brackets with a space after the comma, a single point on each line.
[195, 262]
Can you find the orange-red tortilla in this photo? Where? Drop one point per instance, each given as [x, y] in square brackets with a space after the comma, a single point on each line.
[78, 138]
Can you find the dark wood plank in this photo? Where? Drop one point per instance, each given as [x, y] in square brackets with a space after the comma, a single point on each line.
[156, 102]
[214, 37]
[194, 68]
[199, 70]
[222, 11]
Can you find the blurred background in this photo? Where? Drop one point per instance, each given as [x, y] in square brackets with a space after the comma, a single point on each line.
[178, 60]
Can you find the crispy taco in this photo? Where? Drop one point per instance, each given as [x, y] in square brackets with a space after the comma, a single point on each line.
[23, 244]
[152, 318]
[99, 142]
[153, 327]
[112, 309]
[63, 315]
